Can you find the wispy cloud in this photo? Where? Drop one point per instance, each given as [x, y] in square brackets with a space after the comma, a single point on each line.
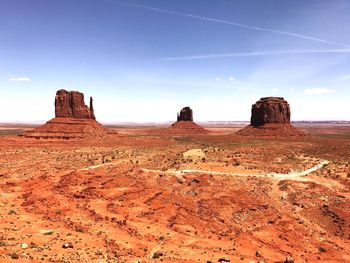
[20, 79]
[236, 24]
[230, 79]
[251, 54]
[168, 93]
[318, 91]
[345, 77]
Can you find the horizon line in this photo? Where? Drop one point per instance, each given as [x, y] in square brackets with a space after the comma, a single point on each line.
[171, 121]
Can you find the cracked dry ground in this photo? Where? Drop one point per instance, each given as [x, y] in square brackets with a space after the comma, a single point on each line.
[52, 210]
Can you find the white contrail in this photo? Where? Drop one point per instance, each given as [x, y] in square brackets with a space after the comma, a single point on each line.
[251, 54]
[216, 20]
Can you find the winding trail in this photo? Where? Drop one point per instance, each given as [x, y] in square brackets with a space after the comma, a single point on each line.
[291, 175]
[95, 166]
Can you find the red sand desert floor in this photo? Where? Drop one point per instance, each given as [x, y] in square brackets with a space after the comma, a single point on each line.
[216, 197]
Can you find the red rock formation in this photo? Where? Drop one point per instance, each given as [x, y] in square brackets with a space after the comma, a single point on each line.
[186, 114]
[185, 124]
[69, 128]
[187, 127]
[271, 118]
[71, 104]
[74, 120]
[270, 110]
[271, 130]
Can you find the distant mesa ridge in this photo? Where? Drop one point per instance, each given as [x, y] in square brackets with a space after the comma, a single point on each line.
[186, 114]
[71, 104]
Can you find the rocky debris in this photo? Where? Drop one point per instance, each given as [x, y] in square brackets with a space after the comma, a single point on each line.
[186, 114]
[222, 260]
[24, 246]
[198, 222]
[157, 255]
[322, 249]
[288, 260]
[270, 110]
[71, 104]
[48, 232]
[67, 245]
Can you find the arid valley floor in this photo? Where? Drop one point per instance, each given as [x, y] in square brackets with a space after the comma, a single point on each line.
[157, 197]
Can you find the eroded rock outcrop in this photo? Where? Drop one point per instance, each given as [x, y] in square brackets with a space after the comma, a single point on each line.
[73, 120]
[71, 104]
[186, 114]
[270, 110]
[271, 118]
[185, 124]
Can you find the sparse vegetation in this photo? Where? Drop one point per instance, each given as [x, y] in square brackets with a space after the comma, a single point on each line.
[118, 210]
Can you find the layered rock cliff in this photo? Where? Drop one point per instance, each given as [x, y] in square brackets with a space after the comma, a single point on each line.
[71, 104]
[271, 118]
[270, 110]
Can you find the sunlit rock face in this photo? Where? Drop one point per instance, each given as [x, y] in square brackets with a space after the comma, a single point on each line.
[270, 110]
[71, 104]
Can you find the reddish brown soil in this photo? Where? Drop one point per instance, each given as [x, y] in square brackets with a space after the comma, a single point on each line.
[69, 128]
[177, 128]
[116, 211]
[271, 130]
[186, 127]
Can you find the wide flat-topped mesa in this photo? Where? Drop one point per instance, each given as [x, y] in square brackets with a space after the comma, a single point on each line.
[71, 104]
[270, 117]
[185, 124]
[73, 120]
[270, 110]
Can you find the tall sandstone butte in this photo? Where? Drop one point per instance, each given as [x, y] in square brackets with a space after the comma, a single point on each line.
[185, 124]
[270, 110]
[71, 104]
[186, 114]
[270, 117]
[73, 120]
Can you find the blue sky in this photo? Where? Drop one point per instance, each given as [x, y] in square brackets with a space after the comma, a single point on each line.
[143, 60]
